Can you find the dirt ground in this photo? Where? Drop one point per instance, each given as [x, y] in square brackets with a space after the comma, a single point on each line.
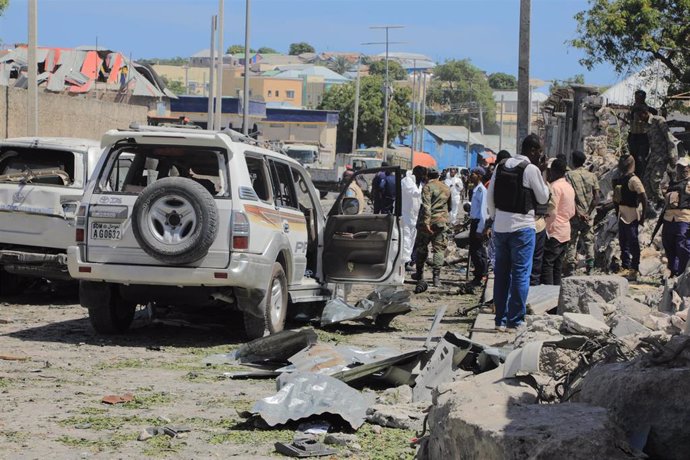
[59, 369]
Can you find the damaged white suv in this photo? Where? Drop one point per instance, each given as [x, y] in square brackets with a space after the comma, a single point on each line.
[42, 180]
[195, 218]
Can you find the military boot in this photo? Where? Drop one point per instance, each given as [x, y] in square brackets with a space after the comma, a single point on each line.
[437, 277]
[419, 274]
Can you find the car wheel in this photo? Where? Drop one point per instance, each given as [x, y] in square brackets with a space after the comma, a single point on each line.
[275, 307]
[175, 220]
[11, 284]
[108, 312]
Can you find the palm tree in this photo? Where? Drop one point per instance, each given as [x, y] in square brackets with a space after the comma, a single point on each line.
[339, 64]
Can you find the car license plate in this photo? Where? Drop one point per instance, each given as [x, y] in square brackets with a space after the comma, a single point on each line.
[100, 231]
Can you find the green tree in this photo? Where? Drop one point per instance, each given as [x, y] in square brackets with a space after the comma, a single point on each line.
[458, 88]
[301, 47]
[502, 81]
[339, 64]
[395, 70]
[266, 50]
[371, 114]
[238, 49]
[578, 79]
[178, 61]
[631, 33]
[3, 5]
[176, 86]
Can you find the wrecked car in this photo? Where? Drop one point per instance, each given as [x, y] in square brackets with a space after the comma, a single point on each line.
[198, 218]
[42, 180]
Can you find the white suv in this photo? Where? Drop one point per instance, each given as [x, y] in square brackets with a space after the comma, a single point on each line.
[42, 180]
[184, 217]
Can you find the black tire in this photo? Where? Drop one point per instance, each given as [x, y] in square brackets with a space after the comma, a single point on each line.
[197, 236]
[108, 312]
[275, 307]
[11, 284]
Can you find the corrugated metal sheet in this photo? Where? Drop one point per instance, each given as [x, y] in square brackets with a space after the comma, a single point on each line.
[454, 134]
[651, 79]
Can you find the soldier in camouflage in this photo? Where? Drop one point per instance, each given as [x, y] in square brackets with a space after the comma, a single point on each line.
[432, 225]
[663, 154]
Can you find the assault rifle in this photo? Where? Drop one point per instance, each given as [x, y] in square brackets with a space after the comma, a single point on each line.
[658, 225]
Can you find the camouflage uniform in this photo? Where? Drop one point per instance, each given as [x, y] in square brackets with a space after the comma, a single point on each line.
[662, 154]
[433, 213]
[586, 186]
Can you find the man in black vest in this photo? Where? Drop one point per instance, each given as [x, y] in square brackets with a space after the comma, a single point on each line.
[516, 188]
[628, 194]
[675, 235]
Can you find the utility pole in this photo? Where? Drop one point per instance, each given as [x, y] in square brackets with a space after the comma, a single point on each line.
[355, 116]
[218, 122]
[212, 71]
[186, 78]
[500, 134]
[481, 119]
[523, 72]
[423, 121]
[386, 90]
[245, 93]
[32, 73]
[414, 108]
[469, 128]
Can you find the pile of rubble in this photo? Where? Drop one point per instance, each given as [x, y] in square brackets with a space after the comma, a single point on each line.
[608, 366]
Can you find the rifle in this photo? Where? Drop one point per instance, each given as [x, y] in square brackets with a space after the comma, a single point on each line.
[658, 225]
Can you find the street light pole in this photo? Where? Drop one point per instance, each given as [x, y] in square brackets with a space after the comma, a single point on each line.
[32, 73]
[355, 119]
[386, 90]
[523, 72]
[212, 71]
[219, 105]
[245, 97]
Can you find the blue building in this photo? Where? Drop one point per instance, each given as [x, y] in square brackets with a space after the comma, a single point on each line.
[448, 145]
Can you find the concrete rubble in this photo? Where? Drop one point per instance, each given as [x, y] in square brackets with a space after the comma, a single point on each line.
[607, 368]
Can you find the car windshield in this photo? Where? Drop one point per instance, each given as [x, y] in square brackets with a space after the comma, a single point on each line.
[136, 167]
[37, 166]
[303, 156]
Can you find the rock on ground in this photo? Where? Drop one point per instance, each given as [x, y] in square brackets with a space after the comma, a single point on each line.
[578, 323]
[631, 308]
[578, 291]
[641, 399]
[490, 418]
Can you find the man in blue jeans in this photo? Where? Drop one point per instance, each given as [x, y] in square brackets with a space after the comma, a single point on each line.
[517, 188]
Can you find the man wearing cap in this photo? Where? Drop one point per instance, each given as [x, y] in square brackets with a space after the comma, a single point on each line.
[479, 232]
[676, 232]
[586, 186]
[628, 195]
[516, 188]
[432, 225]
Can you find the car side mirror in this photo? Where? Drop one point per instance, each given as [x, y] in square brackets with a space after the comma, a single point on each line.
[349, 206]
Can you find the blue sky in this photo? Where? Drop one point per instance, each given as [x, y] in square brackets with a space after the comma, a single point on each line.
[486, 31]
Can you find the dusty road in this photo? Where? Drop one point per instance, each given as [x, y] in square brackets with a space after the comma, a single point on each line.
[56, 370]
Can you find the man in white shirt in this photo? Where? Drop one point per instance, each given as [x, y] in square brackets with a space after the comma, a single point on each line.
[479, 214]
[516, 188]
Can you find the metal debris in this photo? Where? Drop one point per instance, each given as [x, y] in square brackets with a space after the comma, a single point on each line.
[277, 348]
[304, 448]
[385, 303]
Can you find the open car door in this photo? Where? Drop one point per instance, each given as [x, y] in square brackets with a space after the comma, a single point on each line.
[362, 241]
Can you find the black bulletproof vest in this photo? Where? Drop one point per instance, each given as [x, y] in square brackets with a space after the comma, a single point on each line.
[683, 195]
[628, 197]
[509, 193]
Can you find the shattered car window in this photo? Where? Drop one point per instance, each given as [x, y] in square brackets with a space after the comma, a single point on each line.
[36, 166]
[135, 168]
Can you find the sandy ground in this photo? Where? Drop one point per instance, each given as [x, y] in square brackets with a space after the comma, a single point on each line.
[50, 398]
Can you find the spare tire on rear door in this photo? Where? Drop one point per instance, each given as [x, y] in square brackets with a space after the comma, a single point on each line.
[175, 220]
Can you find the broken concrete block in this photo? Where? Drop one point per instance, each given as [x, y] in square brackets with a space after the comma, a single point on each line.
[543, 298]
[597, 310]
[632, 308]
[578, 323]
[653, 399]
[622, 326]
[340, 439]
[487, 417]
[659, 321]
[402, 416]
[578, 291]
[683, 284]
